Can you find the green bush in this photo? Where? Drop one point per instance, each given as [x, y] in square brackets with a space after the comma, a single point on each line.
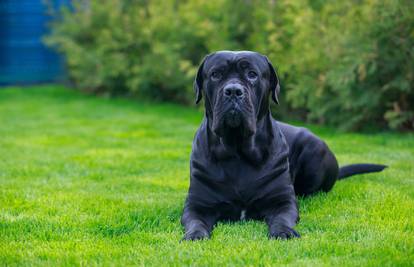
[357, 70]
[344, 63]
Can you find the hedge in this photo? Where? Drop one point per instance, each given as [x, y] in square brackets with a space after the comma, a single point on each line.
[345, 63]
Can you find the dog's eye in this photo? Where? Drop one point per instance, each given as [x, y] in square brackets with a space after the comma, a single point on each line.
[215, 75]
[252, 75]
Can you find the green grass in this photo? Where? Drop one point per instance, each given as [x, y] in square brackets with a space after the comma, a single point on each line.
[93, 181]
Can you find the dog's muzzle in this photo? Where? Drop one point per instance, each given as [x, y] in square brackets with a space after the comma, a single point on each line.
[233, 94]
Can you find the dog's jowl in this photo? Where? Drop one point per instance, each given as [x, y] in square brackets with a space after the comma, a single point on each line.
[244, 164]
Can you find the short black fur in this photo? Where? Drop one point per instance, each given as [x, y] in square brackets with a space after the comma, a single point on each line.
[244, 164]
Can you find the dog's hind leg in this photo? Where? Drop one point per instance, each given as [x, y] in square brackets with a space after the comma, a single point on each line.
[316, 168]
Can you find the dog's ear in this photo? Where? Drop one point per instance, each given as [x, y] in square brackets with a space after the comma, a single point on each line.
[274, 82]
[198, 82]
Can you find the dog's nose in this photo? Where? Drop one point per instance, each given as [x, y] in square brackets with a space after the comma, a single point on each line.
[233, 89]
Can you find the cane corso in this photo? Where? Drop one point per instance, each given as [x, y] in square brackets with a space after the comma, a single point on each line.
[244, 164]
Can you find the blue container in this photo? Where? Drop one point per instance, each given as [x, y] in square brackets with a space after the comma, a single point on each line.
[24, 59]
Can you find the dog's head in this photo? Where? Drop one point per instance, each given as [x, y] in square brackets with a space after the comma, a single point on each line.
[236, 86]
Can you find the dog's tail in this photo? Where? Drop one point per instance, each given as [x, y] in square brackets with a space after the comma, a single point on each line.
[349, 170]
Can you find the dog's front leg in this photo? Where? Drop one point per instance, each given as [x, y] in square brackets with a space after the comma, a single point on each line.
[282, 218]
[198, 224]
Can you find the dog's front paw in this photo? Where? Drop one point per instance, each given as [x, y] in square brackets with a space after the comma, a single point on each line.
[197, 234]
[283, 232]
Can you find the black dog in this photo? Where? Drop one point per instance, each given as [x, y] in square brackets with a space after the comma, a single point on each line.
[244, 164]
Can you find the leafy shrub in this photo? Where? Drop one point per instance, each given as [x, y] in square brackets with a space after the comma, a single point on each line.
[358, 71]
[345, 63]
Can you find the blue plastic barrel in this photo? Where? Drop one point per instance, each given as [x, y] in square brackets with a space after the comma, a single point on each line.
[24, 59]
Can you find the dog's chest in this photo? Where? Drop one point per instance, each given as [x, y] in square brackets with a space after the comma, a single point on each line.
[242, 181]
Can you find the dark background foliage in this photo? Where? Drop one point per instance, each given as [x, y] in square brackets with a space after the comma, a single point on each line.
[344, 63]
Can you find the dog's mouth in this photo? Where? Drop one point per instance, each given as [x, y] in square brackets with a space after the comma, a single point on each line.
[233, 116]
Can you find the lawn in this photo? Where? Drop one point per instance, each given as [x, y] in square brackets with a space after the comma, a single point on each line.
[95, 181]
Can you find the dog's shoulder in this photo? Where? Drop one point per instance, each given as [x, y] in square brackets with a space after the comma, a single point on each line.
[200, 137]
[301, 138]
[294, 134]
